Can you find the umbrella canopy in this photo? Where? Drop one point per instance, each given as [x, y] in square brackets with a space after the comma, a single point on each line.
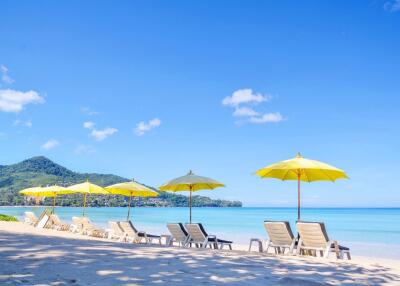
[131, 189]
[301, 169]
[50, 191]
[86, 189]
[191, 183]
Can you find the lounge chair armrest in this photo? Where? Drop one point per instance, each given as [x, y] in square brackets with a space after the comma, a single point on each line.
[214, 237]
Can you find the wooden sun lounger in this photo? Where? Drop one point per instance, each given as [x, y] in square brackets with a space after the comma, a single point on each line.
[178, 234]
[314, 239]
[280, 236]
[200, 238]
[133, 235]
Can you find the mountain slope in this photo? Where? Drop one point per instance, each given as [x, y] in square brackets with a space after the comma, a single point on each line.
[40, 171]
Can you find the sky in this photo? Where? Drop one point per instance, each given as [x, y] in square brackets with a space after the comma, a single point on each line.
[152, 89]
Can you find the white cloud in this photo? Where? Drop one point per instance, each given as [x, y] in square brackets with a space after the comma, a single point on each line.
[5, 78]
[84, 149]
[244, 111]
[245, 96]
[14, 100]
[392, 6]
[267, 118]
[50, 144]
[142, 127]
[100, 135]
[88, 125]
[88, 111]
[27, 123]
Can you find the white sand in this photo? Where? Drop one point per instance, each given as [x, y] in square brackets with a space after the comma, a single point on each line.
[30, 256]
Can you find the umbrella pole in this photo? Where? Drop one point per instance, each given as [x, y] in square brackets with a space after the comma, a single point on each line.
[129, 207]
[84, 204]
[190, 204]
[54, 202]
[298, 196]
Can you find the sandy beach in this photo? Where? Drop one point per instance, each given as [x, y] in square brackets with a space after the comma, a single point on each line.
[30, 256]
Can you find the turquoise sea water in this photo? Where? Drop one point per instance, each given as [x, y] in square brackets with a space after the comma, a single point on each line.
[368, 231]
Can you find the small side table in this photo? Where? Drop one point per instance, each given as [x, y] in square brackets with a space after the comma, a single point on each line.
[260, 244]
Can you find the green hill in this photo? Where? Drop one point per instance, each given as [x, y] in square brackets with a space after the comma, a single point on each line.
[40, 171]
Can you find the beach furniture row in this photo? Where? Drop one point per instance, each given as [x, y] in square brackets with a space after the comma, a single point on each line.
[312, 238]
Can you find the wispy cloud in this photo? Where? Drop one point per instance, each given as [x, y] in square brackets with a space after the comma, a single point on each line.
[5, 78]
[245, 95]
[267, 118]
[244, 100]
[392, 6]
[244, 111]
[24, 123]
[142, 127]
[14, 100]
[84, 149]
[50, 144]
[100, 135]
[88, 111]
[96, 134]
[88, 125]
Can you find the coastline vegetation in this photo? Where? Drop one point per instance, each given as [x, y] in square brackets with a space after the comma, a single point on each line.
[7, 218]
[40, 171]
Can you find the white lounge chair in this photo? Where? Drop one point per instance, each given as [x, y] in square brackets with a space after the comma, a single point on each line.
[178, 234]
[116, 231]
[200, 238]
[76, 225]
[43, 220]
[30, 218]
[90, 229]
[280, 236]
[314, 239]
[57, 224]
[133, 235]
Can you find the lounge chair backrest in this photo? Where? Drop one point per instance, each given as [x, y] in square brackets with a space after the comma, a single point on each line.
[30, 218]
[312, 234]
[128, 228]
[196, 231]
[55, 219]
[43, 220]
[87, 224]
[279, 232]
[116, 229]
[178, 231]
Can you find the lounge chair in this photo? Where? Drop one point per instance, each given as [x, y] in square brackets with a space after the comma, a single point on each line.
[280, 236]
[133, 235]
[43, 220]
[89, 229]
[115, 231]
[57, 224]
[314, 239]
[30, 218]
[76, 225]
[200, 238]
[179, 234]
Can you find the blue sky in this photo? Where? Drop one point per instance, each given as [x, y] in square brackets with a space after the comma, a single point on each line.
[152, 89]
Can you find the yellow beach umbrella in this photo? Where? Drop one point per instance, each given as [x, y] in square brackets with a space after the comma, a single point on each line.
[86, 189]
[301, 169]
[191, 183]
[131, 189]
[50, 191]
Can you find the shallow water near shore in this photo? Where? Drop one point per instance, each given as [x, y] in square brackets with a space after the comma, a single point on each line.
[367, 231]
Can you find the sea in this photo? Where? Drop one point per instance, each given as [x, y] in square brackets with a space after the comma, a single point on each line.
[372, 232]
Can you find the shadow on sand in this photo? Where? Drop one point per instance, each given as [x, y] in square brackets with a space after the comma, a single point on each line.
[31, 260]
